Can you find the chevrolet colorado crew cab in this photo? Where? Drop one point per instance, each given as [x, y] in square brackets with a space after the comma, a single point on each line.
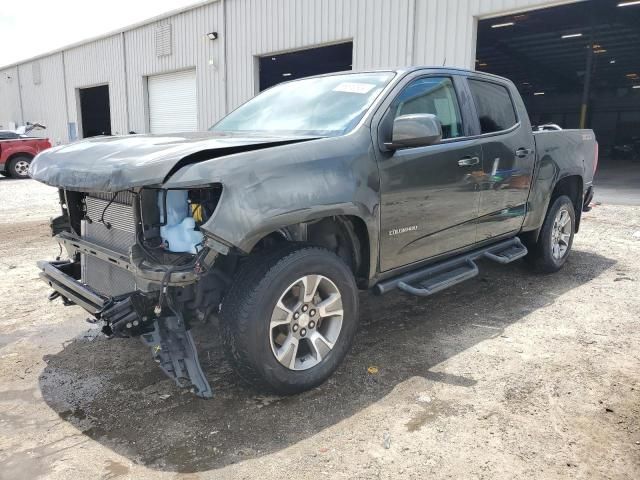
[275, 218]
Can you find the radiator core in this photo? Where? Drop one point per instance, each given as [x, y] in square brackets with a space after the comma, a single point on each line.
[111, 225]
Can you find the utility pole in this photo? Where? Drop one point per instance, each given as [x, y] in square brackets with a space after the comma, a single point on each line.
[586, 92]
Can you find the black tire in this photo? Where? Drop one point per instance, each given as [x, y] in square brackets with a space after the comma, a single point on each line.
[249, 304]
[16, 166]
[541, 256]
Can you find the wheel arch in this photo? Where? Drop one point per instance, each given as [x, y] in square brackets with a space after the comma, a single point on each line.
[346, 235]
[15, 155]
[572, 187]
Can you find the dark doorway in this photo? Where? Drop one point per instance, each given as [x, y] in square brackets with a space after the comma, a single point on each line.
[95, 111]
[546, 53]
[275, 69]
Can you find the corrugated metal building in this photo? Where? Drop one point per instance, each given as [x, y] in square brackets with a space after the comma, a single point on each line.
[220, 71]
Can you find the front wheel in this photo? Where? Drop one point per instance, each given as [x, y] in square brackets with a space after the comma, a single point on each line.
[19, 166]
[552, 249]
[289, 318]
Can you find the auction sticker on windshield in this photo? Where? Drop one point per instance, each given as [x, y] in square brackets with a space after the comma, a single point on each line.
[354, 87]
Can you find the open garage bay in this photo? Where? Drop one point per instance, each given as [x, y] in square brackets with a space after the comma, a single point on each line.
[577, 66]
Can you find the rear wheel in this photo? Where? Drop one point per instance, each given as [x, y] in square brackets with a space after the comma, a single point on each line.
[552, 249]
[19, 166]
[289, 318]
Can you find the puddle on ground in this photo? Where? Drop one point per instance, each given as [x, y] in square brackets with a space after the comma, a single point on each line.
[113, 469]
[430, 412]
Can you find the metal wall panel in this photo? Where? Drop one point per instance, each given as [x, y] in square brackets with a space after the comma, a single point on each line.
[385, 33]
[445, 30]
[190, 49]
[9, 98]
[379, 29]
[44, 102]
[98, 63]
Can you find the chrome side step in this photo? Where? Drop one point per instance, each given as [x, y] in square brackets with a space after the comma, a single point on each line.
[426, 281]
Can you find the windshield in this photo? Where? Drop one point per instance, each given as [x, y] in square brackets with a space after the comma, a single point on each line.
[325, 106]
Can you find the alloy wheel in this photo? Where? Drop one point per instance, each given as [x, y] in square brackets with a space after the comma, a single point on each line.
[306, 322]
[561, 234]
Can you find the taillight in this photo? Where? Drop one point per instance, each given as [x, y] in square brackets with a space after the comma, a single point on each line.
[595, 161]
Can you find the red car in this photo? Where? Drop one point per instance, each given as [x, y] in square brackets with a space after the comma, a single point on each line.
[17, 151]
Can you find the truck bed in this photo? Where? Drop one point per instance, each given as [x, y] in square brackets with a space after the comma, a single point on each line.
[560, 154]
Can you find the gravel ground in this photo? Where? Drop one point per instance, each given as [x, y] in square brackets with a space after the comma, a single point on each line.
[509, 375]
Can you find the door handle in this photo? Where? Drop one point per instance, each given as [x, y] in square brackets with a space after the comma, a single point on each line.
[468, 161]
[523, 152]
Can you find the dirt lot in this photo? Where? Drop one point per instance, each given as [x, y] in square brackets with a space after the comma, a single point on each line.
[510, 375]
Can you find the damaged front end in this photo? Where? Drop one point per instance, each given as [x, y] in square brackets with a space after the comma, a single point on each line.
[139, 264]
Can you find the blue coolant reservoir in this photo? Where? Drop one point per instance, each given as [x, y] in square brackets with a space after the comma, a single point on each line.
[179, 234]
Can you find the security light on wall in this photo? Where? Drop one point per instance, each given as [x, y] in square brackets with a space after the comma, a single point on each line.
[212, 35]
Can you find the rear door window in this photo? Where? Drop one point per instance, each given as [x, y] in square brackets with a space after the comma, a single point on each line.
[494, 106]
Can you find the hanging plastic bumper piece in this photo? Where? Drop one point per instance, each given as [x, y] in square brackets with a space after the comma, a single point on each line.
[171, 344]
[173, 348]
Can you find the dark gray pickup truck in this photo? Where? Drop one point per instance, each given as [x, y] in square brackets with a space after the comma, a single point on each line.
[276, 217]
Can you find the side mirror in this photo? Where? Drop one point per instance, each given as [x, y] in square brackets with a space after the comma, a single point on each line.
[415, 130]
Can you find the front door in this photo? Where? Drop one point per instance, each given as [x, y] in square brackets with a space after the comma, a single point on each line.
[429, 200]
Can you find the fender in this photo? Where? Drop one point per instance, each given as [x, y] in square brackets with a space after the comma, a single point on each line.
[9, 149]
[558, 157]
[264, 191]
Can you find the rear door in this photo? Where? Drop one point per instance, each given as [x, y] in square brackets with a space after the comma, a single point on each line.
[508, 156]
[429, 202]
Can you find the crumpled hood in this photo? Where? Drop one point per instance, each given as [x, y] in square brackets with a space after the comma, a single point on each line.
[110, 164]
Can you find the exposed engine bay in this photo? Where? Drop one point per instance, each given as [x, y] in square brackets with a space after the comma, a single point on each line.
[140, 265]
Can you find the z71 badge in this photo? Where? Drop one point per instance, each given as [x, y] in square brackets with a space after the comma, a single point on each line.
[398, 231]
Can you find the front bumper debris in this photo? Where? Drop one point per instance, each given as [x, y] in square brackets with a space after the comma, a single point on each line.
[132, 314]
[123, 316]
[61, 276]
[144, 273]
[173, 348]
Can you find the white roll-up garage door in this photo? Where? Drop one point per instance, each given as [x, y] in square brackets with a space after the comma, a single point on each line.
[173, 105]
